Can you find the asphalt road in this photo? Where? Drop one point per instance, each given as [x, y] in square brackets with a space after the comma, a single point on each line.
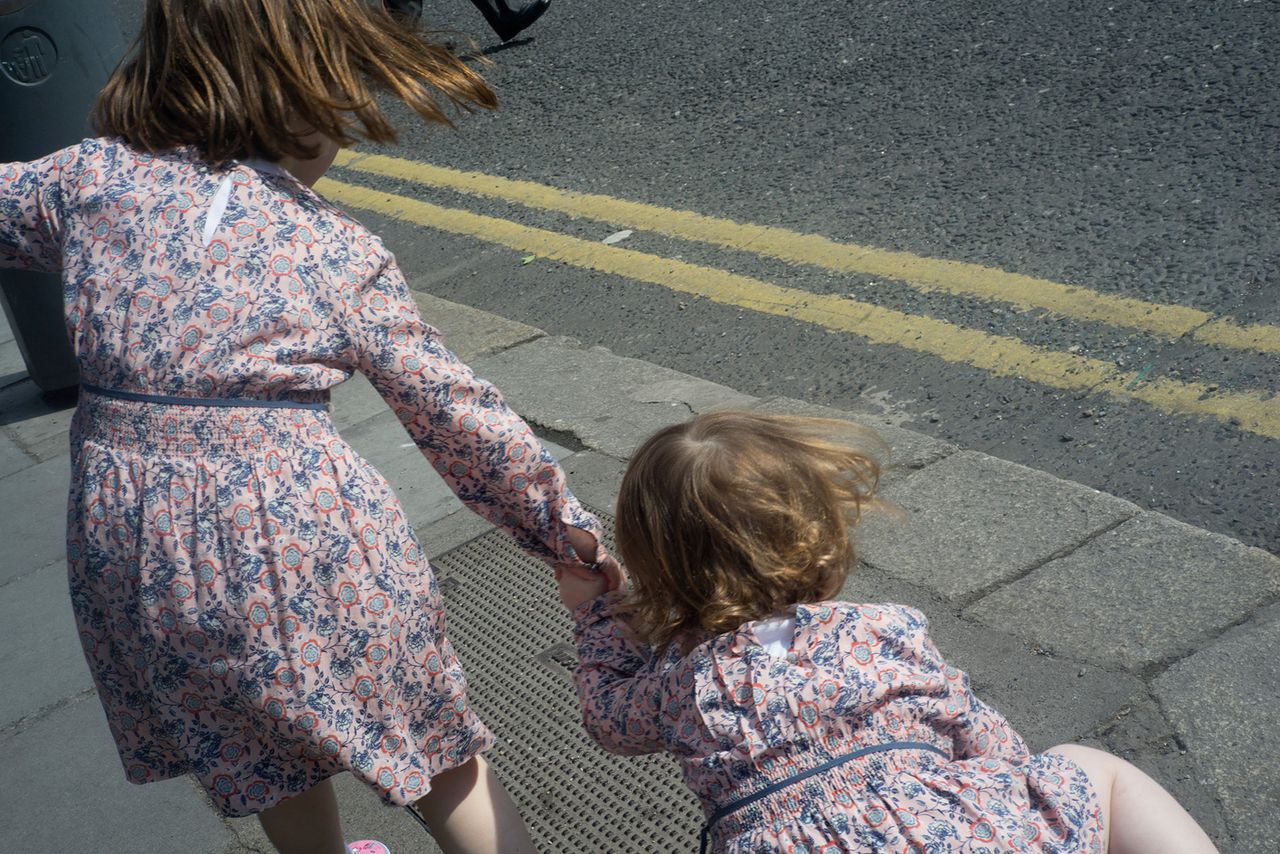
[1125, 147]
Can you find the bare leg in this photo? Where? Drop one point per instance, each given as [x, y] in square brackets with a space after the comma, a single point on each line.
[469, 812]
[306, 824]
[1138, 814]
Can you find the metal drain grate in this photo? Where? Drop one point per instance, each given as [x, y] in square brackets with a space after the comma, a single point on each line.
[513, 637]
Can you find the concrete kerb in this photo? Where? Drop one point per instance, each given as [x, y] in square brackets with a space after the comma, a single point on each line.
[976, 522]
[1141, 732]
[1139, 596]
[607, 402]
[908, 450]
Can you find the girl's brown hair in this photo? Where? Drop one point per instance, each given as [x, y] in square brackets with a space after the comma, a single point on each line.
[735, 516]
[240, 78]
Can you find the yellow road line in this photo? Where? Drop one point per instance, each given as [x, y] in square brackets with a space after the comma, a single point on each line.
[996, 354]
[925, 274]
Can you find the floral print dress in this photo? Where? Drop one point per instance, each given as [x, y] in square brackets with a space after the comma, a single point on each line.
[253, 604]
[936, 769]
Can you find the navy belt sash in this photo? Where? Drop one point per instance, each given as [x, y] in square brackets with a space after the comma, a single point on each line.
[734, 806]
[171, 400]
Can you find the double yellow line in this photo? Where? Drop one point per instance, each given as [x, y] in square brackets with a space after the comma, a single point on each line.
[1253, 411]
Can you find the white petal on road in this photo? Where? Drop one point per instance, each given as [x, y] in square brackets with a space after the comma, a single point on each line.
[618, 236]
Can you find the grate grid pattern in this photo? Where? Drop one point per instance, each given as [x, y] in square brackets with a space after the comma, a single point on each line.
[513, 637]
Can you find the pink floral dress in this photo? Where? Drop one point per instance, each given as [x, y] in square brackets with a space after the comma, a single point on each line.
[859, 738]
[253, 604]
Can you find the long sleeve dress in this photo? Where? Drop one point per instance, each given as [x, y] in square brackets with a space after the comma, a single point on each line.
[940, 772]
[253, 605]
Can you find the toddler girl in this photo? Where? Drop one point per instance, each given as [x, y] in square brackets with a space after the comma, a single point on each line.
[253, 604]
[804, 723]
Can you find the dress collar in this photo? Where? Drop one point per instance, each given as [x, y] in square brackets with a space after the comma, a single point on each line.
[261, 165]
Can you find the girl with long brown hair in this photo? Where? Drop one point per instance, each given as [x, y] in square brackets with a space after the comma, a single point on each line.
[254, 607]
[803, 722]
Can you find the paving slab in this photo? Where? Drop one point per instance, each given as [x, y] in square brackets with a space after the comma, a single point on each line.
[609, 403]
[355, 401]
[38, 424]
[466, 331]
[907, 449]
[39, 646]
[451, 531]
[1150, 590]
[968, 516]
[594, 478]
[12, 458]
[1225, 703]
[425, 496]
[469, 332]
[973, 521]
[33, 514]
[1048, 699]
[63, 789]
[463, 526]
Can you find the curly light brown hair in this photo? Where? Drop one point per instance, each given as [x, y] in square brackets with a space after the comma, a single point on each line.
[736, 515]
[251, 78]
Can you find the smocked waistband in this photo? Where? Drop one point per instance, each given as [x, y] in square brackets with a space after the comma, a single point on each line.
[206, 427]
[218, 402]
[778, 786]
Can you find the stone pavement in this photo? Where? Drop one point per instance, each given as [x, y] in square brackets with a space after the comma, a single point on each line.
[1079, 615]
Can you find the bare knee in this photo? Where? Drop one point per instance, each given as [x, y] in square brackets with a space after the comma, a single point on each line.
[451, 787]
[473, 767]
[463, 776]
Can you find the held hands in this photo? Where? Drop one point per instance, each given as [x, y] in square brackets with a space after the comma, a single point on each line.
[574, 589]
[578, 585]
[584, 543]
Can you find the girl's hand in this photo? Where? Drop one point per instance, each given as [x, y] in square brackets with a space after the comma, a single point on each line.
[574, 589]
[584, 543]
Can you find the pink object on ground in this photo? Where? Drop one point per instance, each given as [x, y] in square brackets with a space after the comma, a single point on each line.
[367, 846]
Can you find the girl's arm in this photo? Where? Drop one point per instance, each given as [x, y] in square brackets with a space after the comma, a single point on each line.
[983, 732]
[619, 687]
[976, 729]
[485, 452]
[31, 211]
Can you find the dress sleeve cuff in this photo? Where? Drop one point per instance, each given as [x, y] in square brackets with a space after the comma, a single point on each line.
[574, 515]
[596, 611]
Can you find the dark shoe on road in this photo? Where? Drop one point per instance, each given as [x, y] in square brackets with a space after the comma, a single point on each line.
[508, 22]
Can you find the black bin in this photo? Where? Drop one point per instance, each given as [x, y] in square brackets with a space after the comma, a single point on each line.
[54, 57]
